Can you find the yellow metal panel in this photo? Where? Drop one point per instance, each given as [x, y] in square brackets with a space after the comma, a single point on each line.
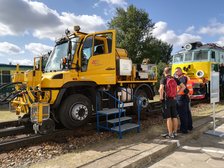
[54, 94]
[194, 67]
[48, 82]
[141, 81]
[101, 68]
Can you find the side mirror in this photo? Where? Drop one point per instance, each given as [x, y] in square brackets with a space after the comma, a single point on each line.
[37, 63]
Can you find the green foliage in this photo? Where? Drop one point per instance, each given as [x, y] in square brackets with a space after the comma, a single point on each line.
[134, 34]
[157, 51]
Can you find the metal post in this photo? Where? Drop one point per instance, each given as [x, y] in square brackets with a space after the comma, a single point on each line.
[213, 109]
[214, 132]
[214, 97]
[1, 77]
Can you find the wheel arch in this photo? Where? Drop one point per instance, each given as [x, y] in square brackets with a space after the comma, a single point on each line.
[86, 88]
[147, 88]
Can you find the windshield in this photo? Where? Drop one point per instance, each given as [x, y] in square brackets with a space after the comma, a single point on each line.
[188, 56]
[60, 51]
[200, 55]
[178, 58]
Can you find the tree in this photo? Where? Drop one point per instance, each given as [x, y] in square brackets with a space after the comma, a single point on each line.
[157, 51]
[134, 34]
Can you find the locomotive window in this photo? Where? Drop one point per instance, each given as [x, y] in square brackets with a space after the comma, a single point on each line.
[188, 56]
[221, 56]
[200, 55]
[178, 58]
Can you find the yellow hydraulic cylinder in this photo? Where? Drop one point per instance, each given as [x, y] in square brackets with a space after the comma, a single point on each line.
[40, 113]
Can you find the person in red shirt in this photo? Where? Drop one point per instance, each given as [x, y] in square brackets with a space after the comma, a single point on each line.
[169, 103]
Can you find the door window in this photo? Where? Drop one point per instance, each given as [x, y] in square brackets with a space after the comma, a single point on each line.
[86, 52]
[103, 43]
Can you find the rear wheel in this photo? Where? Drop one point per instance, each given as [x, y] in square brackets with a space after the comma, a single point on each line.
[75, 111]
[143, 97]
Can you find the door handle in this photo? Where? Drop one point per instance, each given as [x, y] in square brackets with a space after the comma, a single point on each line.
[110, 68]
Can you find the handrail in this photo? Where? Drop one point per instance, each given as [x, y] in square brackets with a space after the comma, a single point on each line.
[139, 106]
[111, 96]
[119, 108]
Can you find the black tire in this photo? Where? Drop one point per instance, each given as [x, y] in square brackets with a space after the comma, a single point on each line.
[75, 111]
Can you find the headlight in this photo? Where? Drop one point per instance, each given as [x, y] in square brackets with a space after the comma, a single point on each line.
[200, 73]
[188, 47]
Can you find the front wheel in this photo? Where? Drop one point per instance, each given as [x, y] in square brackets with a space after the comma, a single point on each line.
[75, 111]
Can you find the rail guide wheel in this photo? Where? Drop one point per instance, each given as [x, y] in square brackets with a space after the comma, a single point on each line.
[47, 127]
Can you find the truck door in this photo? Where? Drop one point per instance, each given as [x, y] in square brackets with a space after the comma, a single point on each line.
[97, 58]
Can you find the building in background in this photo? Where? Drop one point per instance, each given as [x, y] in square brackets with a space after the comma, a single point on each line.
[7, 70]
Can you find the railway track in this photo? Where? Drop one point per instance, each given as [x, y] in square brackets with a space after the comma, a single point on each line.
[9, 128]
[15, 131]
[14, 135]
[22, 140]
[26, 140]
[13, 123]
[195, 102]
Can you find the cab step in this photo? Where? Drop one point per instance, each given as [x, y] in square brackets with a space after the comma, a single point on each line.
[116, 120]
[125, 127]
[111, 111]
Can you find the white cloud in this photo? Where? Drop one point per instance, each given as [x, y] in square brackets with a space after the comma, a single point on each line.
[5, 30]
[220, 41]
[121, 3]
[162, 32]
[214, 28]
[116, 2]
[37, 48]
[21, 61]
[160, 27]
[25, 16]
[88, 23]
[9, 48]
[190, 29]
[110, 9]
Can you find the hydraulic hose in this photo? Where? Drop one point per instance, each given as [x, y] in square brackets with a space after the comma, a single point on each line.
[6, 100]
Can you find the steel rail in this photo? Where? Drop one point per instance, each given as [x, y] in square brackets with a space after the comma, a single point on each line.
[33, 139]
[59, 135]
[13, 123]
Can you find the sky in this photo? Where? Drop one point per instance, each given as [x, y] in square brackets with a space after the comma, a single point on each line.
[29, 28]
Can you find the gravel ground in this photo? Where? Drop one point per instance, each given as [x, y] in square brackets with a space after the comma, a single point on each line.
[151, 127]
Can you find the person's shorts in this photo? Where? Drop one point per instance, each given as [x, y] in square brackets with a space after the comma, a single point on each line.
[169, 109]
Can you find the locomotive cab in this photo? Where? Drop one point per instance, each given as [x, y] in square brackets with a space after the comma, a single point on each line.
[198, 61]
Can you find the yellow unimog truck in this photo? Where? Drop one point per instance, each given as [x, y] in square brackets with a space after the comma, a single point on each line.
[81, 64]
